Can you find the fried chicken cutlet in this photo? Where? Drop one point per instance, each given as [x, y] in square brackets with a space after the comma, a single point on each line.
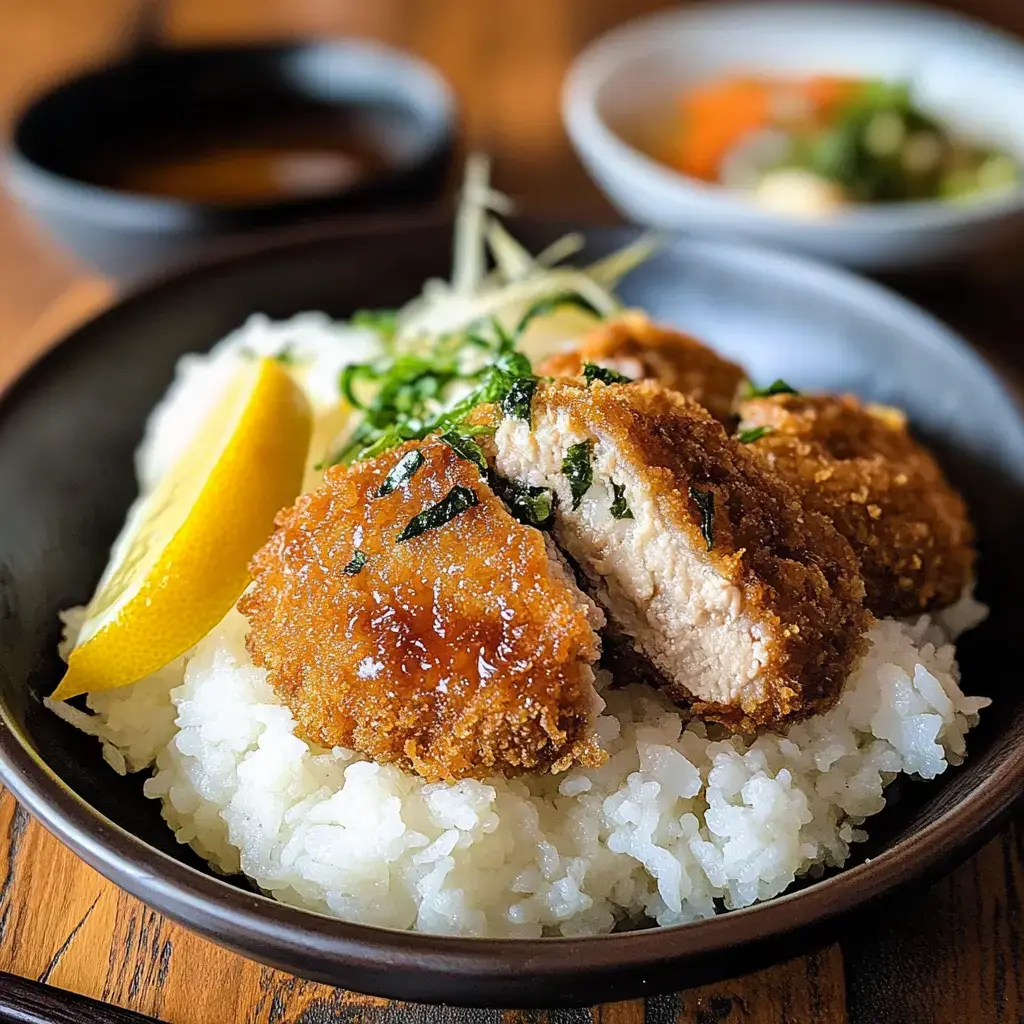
[400, 610]
[747, 607]
[638, 349]
[884, 492]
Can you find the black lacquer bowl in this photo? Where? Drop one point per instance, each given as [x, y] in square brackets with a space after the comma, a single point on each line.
[175, 100]
[67, 432]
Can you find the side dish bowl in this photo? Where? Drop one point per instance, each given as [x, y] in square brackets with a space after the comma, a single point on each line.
[315, 99]
[67, 431]
[625, 85]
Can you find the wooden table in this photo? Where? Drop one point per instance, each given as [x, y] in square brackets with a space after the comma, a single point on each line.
[955, 957]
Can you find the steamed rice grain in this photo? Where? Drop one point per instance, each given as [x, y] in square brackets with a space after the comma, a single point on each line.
[681, 821]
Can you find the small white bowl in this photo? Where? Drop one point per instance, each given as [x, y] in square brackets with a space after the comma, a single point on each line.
[970, 76]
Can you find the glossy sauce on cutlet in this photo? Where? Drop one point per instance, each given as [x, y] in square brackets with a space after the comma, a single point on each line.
[456, 653]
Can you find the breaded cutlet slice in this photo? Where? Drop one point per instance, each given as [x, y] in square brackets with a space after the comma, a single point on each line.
[401, 611]
[746, 607]
[641, 350]
[885, 493]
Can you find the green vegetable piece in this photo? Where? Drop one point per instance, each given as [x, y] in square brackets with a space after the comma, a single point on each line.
[401, 472]
[578, 470]
[777, 387]
[383, 321]
[752, 435]
[592, 372]
[534, 506]
[620, 510]
[518, 399]
[355, 566]
[705, 501]
[454, 503]
[466, 448]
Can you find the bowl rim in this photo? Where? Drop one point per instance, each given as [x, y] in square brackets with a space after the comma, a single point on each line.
[313, 944]
[432, 95]
[592, 134]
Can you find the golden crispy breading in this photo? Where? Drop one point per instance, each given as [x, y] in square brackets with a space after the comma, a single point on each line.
[798, 593]
[885, 493]
[639, 349]
[461, 652]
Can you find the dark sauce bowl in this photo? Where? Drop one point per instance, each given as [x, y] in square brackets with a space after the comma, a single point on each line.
[141, 163]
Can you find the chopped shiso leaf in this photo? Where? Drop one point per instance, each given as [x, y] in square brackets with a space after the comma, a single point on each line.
[777, 387]
[454, 503]
[705, 501]
[578, 470]
[355, 566]
[455, 347]
[519, 397]
[401, 472]
[620, 509]
[534, 506]
[592, 372]
[467, 448]
[752, 435]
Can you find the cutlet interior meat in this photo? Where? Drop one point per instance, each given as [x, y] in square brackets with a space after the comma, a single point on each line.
[748, 608]
[641, 350]
[459, 652]
[884, 492]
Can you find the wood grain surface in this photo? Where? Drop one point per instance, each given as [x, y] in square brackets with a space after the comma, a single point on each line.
[953, 954]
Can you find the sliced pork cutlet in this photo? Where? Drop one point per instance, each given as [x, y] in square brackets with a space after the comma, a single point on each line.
[747, 607]
[858, 465]
[400, 610]
[636, 348]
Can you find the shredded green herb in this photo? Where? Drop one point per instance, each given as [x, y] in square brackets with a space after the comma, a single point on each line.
[752, 435]
[466, 448]
[777, 387]
[578, 470]
[355, 566]
[519, 398]
[533, 506]
[592, 372]
[453, 504]
[413, 391]
[286, 357]
[620, 509]
[401, 472]
[705, 501]
[383, 321]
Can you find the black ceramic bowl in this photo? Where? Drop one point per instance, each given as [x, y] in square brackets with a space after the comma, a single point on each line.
[66, 145]
[67, 432]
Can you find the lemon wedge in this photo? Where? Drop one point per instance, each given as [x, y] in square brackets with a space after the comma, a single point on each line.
[182, 559]
[555, 332]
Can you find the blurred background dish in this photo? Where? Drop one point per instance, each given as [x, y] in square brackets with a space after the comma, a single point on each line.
[879, 137]
[143, 162]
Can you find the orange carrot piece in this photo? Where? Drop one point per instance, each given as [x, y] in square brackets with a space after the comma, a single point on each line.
[715, 117]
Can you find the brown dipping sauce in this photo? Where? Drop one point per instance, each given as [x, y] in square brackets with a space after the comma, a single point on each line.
[225, 162]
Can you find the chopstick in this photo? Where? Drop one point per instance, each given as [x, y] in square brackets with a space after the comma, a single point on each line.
[23, 1001]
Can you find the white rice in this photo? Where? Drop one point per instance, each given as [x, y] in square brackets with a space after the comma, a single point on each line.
[674, 826]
